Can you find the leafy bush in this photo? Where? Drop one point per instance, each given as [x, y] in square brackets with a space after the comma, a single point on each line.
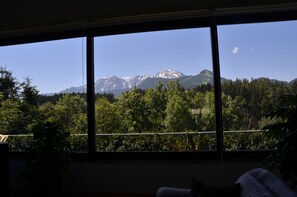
[284, 156]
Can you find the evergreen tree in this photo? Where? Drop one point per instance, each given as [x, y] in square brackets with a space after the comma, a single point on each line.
[8, 84]
[29, 93]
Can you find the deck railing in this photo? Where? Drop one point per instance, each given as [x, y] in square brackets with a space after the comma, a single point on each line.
[155, 141]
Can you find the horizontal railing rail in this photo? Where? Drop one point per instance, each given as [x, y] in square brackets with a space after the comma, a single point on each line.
[2, 136]
[155, 141]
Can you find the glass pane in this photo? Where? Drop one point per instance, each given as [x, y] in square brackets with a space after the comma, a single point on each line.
[35, 82]
[155, 91]
[259, 64]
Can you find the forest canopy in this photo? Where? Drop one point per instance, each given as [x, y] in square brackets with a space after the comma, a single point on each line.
[163, 109]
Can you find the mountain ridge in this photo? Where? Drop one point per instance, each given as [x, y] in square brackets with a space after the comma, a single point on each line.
[117, 85]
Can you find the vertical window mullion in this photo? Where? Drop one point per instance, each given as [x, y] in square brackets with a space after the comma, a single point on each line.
[91, 96]
[217, 87]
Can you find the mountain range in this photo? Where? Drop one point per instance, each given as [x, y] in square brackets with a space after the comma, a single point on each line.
[117, 85]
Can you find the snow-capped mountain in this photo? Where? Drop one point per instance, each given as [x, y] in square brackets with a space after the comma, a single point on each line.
[110, 84]
[169, 74]
[137, 80]
[116, 85]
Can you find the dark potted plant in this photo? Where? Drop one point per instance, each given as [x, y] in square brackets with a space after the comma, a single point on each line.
[48, 160]
[284, 154]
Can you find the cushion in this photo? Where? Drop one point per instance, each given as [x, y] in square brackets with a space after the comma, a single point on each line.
[274, 184]
[251, 187]
[173, 192]
[199, 189]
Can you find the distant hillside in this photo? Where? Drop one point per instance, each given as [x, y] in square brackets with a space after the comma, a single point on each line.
[204, 77]
[79, 89]
[271, 80]
[152, 82]
[188, 82]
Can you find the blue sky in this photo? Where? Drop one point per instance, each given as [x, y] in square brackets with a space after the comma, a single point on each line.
[53, 66]
[246, 51]
[259, 50]
[187, 51]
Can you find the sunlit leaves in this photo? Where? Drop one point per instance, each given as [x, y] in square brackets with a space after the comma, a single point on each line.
[9, 116]
[107, 117]
[70, 113]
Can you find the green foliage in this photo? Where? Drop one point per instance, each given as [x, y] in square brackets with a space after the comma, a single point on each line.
[178, 114]
[48, 161]
[20, 142]
[254, 98]
[162, 109]
[230, 113]
[284, 156]
[79, 142]
[156, 142]
[55, 97]
[8, 84]
[156, 103]
[185, 141]
[173, 88]
[134, 111]
[29, 93]
[107, 117]
[247, 141]
[47, 112]
[70, 113]
[9, 116]
[18, 104]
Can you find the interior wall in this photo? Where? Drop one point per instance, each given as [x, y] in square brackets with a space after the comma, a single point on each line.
[4, 166]
[139, 177]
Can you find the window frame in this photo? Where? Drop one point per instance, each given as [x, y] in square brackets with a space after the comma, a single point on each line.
[211, 20]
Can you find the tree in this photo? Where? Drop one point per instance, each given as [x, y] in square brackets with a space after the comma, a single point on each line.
[29, 93]
[178, 114]
[47, 112]
[8, 84]
[133, 111]
[197, 105]
[70, 113]
[173, 88]
[20, 99]
[156, 103]
[294, 87]
[9, 116]
[107, 117]
[284, 154]
[29, 105]
[208, 112]
[48, 160]
[229, 113]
